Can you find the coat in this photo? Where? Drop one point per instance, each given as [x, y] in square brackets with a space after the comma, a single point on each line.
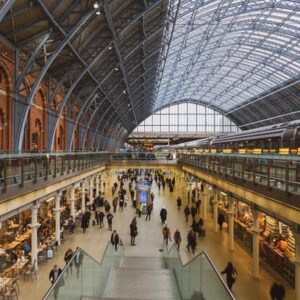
[114, 239]
[163, 214]
[51, 275]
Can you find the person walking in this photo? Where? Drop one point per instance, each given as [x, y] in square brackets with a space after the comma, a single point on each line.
[193, 212]
[231, 274]
[84, 222]
[149, 210]
[109, 218]
[115, 203]
[101, 218]
[277, 291]
[114, 239]
[221, 219]
[198, 203]
[68, 255]
[166, 235]
[133, 231]
[179, 203]
[53, 276]
[78, 261]
[177, 238]
[191, 239]
[158, 185]
[140, 209]
[163, 215]
[187, 212]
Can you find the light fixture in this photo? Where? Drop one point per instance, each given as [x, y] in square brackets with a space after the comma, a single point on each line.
[128, 104]
[109, 48]
[96, 5]
[124, 91]
[98, 13]
[116, 69]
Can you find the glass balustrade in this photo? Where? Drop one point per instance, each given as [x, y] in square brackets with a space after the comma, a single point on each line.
[198, 277]
[84, 276]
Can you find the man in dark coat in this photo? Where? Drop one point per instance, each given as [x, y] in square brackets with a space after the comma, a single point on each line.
[193, 212]
[187, 213]
[84, 222]
[114, 239]
[163, 215]
[221, 219]
[133, 231]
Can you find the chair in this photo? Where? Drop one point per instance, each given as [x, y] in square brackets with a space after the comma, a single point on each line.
[14, 284]
[30, 272]
[42, 256]
[10, 294]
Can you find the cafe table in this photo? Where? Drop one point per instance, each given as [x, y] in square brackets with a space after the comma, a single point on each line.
[3, 282]
[19, 265]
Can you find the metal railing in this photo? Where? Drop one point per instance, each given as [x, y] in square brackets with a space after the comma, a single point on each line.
[198, 278]
[18, 169]
[274, 172]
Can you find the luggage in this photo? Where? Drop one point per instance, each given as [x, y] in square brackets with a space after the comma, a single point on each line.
[49, 253]
[94, 222]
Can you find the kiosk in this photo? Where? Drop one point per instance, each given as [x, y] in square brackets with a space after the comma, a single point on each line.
[143, 191]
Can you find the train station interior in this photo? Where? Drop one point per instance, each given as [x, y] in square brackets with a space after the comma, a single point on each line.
[149, 149]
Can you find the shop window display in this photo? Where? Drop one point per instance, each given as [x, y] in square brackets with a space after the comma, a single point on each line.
[277, 243]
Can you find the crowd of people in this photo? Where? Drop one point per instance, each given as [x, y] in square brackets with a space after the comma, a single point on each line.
[121, 197]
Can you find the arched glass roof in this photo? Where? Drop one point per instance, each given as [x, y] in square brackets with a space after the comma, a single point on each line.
[226, 53]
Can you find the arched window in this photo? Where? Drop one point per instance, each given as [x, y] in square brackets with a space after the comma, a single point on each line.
[187, 117]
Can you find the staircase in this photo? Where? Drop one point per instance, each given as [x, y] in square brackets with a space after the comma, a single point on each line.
[141, 278]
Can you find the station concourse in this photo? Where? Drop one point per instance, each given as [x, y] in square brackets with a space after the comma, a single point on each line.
[115, 109]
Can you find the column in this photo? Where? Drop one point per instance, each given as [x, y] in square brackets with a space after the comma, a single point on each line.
[83, 185]
[296, 233]
[57, 217]
[72, 199]
[215, 210]
[230, 214]
[97, 185]
[204, 202]
[255, 245]
[34, 238]
[91, 188]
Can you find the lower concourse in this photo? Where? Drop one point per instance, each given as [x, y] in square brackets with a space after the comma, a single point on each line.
[149, 241]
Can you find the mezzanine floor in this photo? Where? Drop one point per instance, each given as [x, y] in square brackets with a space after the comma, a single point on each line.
[149, 241]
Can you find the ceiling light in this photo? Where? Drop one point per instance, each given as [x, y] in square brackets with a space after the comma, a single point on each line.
[96, 5]
[98, 13]
[128, 104]
[124, 91]
[109, 48]
[116, 69]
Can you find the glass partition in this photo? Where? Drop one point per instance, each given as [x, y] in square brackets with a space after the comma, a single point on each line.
[198, 278]
[84, 276]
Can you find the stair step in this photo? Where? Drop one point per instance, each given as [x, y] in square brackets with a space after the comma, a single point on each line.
[142, 262]
[126, 283]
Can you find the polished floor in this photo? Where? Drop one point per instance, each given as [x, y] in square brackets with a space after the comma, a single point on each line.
[149, 242]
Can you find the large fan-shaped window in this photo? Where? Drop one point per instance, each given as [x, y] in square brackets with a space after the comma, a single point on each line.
[187, 117]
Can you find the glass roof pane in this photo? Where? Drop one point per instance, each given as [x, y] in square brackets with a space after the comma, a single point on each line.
[229, 52]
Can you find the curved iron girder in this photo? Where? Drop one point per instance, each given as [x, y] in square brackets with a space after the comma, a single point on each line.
[32, 58]
[104, 127]
[5, 8]
[112, 136]
[41, 75]
[117, 49]
[100, 121]
[109, 135]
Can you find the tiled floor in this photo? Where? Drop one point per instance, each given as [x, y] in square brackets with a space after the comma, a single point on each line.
[149, 242]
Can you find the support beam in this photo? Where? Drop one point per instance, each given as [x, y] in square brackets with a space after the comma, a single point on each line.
[34, 237]
[215, 209]
[83, 187]
[57, 217]
[230, 214]
[5, 8]
[255, 245]
[72, 200]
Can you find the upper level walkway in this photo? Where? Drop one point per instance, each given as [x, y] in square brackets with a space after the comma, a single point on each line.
[272, 182]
